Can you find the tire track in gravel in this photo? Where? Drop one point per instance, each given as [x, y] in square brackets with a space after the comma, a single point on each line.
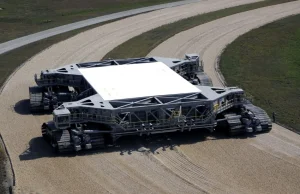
[195, 174]
[268, 163]
[37, 169]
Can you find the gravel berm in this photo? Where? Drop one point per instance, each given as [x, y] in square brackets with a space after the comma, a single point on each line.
[215, 165]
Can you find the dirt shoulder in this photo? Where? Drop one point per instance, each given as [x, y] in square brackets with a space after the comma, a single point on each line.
[2, 170]
[6, 175]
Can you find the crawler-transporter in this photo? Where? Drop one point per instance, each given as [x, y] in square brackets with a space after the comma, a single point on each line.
[98, 102]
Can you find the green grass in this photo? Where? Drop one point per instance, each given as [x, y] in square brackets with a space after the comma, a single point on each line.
[23, 17]
[141, 45]
[266, 63]
[13, 59]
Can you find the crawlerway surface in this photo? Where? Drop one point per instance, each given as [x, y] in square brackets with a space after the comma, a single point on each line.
[197, 163]
[268, 163]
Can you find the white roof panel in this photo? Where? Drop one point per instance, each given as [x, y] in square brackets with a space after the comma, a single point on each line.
[136, 80]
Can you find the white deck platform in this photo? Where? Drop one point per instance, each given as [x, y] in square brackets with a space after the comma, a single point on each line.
[136, 80]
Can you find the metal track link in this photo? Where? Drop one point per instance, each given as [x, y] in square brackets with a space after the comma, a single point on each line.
[235, 125]
[265, 120]
[63, 140]
[36, 98]
[97, 140]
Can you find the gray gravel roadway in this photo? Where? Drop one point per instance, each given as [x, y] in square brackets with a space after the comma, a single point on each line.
[267, 163]
[22, 41]
[217, 165]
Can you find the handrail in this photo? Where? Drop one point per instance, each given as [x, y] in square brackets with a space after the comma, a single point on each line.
[228, 104]
[77, 117]
[57, 81]
[116, 120]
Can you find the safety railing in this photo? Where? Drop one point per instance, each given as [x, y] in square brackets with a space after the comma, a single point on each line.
[56, 81]
[85, 117]
[226, 105]
[78, 117]
[203, 118]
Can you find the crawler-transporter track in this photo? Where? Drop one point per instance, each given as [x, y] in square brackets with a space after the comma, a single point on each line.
[89, 113]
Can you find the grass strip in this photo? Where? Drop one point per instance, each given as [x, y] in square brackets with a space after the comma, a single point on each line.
[268, 57]
[141, 45]
[2, 170]
[20, 18]
[13, 59]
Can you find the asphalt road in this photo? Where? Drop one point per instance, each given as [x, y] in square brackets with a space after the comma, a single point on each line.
[22, 41]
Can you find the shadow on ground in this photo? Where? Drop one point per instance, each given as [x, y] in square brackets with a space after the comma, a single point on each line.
[23, 108]
[39, 148]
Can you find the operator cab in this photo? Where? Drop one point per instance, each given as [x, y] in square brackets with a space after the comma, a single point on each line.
[61, 117]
